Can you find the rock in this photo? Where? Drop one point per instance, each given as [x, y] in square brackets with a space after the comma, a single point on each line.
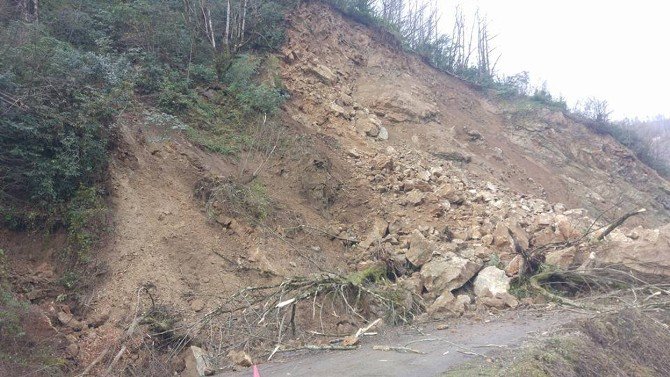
[490, 282]
[36, 294]
[411, 283]
[72, 350]
[501, 302]
[197, 305]
[501, 236]
[519, 235]
[99, 319]
[224, 220]
[420, 249]
[446, 273]
[424, 175]
[514, 266]
[402, 106]
[544, 237]
[68, 320]
[368, 126]
[649, 254]
[383, 134]
[415, 198]
[339, 110]
[383, 163]
[491, 287]
[474, 135]
[561, 258]
[566, 228]
[442, 303]
[418, 185]
[543, 220]
[354, 153]
[448, 192]
[446, 303]
[324, 74]
[198, 363]
[482, 252]
[379, 230]
[240, 358]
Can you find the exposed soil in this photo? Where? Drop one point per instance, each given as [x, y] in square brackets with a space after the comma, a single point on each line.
[376, 146]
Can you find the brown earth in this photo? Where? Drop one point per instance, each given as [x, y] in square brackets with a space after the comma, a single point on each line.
[381, 149]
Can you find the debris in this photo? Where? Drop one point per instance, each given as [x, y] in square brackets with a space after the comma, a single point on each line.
[398, 349]
[240, 358]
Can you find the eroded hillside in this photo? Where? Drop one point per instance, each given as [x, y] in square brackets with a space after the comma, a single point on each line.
[380, 162]
[527, 148]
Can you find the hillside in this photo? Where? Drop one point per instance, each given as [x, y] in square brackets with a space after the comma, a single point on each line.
[376, 169]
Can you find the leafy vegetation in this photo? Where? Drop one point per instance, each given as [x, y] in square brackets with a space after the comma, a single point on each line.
[65, 80]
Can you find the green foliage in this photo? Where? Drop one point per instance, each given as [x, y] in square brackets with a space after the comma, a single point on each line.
[58, 139]
[202, 75]
[86, 219]
[175, 97]
[362, 11]
[249, 201]
[251, 96]
[11, 310]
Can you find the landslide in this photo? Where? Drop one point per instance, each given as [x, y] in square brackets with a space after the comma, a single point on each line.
[376, 147]
[527, 147]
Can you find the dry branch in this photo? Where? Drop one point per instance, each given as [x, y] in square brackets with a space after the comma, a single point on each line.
[398, 349]
[618, 223]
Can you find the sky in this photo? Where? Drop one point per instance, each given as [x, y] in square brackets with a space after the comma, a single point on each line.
[613, 50]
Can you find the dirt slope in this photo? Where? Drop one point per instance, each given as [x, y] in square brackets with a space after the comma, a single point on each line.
[381, 154]
[529, 149]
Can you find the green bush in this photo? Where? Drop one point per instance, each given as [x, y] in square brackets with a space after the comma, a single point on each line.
[58, 139]
[175, 97]
[86, 220]
[252, 96]
[202, 75]
[362, 11]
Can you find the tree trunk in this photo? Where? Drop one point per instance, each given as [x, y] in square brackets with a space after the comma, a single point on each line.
[226, 37]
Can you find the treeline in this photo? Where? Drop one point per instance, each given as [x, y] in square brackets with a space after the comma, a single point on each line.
[467, 52]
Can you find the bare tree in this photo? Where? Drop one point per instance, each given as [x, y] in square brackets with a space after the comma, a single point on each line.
[594, 109]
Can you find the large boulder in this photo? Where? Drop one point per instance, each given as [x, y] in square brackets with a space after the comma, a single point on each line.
[491, 281]
[649, 254]
[562, 258]
[491, 287]
[449, 305]
[448, 272]
[420, 249]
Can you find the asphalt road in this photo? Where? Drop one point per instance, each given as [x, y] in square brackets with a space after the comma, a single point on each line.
[442, 349]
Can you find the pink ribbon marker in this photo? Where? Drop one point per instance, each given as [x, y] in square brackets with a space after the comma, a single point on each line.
[256, 373]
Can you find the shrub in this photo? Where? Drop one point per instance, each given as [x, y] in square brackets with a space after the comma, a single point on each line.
[175, 96]
[251, 96]
[86, 220]
[58, 139]
[201, 74]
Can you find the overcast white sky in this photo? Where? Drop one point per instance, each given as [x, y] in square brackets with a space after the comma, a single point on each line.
[614, 50]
